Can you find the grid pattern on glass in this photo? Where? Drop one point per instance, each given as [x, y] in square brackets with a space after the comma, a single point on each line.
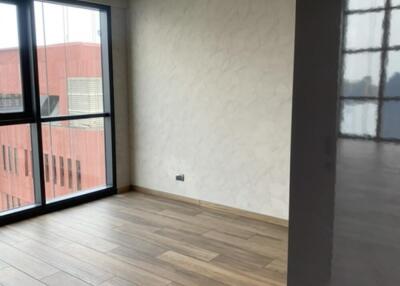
[364, 30]
[392, 88]
[11, 100]
[394, 37]
[391, 119]
[371, 71]
[81, 144]
[69, 49]
[359, 118]
[16, 181]
[361, 74]
[365, 4]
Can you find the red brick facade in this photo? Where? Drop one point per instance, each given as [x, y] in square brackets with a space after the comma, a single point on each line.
[74, 155]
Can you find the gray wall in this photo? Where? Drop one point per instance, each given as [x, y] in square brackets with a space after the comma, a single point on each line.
[210, 89]
[315, 96]
[120, 69]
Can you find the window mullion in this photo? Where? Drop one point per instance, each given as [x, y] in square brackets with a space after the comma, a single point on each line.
[384, 57]
[36, 128]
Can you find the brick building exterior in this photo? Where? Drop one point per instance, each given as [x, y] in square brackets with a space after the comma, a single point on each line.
[74, 160]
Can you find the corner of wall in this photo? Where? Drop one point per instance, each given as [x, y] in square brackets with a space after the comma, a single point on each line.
[121, 96]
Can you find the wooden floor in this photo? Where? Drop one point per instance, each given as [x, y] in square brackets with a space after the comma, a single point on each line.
[137, 239]
[367, 214]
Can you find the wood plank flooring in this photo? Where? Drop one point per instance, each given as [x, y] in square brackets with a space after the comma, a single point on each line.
[367, 214]
[137, 239]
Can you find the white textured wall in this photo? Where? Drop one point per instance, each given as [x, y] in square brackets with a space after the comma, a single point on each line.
[211, 85]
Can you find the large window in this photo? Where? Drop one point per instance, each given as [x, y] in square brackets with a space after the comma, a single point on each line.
[370, 98]
[56, 119]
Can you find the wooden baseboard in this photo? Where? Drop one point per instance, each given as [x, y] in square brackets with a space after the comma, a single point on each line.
[213, 206]
[125, 189]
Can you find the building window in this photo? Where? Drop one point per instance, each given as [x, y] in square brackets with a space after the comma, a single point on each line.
[10, 159]
[61, 159]
[78, 175]
[8, 202]
[54, 161]
[370, 95]
[46, 167]
[26, 163]
[4, 158]
[16, 160]
[70, 174]
[10, 103]
[85, 95]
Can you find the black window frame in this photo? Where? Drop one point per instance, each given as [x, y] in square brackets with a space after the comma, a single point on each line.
[384, 50]
[32, 113]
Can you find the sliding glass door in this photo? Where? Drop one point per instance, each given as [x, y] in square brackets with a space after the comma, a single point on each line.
[56, 115]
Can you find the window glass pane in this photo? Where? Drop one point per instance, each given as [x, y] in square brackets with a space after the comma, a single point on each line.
[392, 88]
[395, 2]
[79, 143]
[364, 30]
[69, 59]
[394, 38]
[365, 4]
[359, 118]
[16, 184]
[361, 74]
[10, 72]
[391, 120]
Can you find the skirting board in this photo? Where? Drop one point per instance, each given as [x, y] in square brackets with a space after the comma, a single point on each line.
[214, 206]
[125, 189]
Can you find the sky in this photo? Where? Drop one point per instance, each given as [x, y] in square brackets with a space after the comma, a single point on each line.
[8, 28]
[62, 24]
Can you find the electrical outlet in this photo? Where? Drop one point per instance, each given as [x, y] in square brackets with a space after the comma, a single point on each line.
[180, 178]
